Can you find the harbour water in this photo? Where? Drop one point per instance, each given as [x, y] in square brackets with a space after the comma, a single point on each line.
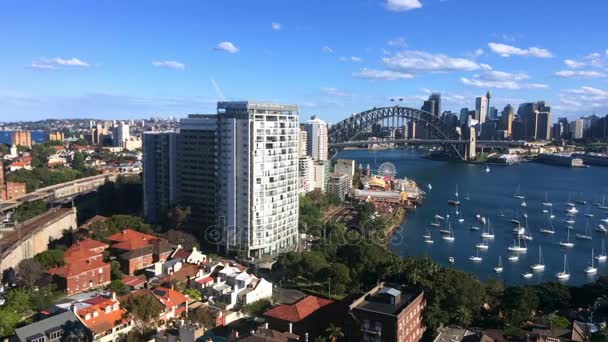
[491, 195]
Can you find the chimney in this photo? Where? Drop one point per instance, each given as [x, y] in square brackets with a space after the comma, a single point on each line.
[113, 295]
[266, 325]
[290, 328]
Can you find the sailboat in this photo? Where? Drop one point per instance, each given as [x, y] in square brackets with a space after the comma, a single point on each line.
[587, 235]
[436, 222]
[474, 228]
[548, 230]
[498, 268]
[476, 257]
[529, 235]
[446, 229]
[467, 197]
[513, 257]
[527, 275]
[450, 236]
[569, 203]
[601, 228]
[518, 194]
[546, 203]
[489, 233]
[587, 213]
[455, 201]
[567, 243]
[603, 204]
[551, 216]
[602, 256]
[482, 245]
[572, 211]
[591, 269]
[564, 275]
[540, 266]
[487, 170]
[427, 235]
[518, 248]
[524, 204]
[439, 217]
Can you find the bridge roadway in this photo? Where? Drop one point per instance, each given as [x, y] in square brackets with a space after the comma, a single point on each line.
[63, 190]
[479, 143]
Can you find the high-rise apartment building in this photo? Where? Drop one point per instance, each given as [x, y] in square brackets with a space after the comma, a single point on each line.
[22, 138]
[317, 145]
[306, 174]
[507, 116]
[159, 149]
[56, 136]
[577, 129]
[303, 143]
[482, 104]
[258, 175]
[120, 134]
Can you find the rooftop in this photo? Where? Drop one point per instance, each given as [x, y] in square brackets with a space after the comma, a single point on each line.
[388, 299]
[299, 310]
[66, 321]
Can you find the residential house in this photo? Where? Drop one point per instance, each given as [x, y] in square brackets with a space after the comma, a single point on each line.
[306, 316]
[174, 303]
[84, 268]
[137, 251]
[104, 317]
[233, 286]
[61, 327]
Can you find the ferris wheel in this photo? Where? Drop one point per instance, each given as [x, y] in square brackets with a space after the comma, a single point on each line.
[387, 169]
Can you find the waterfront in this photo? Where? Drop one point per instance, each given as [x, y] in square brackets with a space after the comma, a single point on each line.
[490, 194]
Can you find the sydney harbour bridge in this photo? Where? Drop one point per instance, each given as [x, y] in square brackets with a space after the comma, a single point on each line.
[349, 132]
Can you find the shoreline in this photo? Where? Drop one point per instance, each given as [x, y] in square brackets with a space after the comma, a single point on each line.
[391, 227]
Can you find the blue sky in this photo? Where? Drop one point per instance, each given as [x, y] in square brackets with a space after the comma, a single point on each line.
[133, 59]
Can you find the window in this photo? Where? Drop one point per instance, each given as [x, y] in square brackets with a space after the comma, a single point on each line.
[55, 335]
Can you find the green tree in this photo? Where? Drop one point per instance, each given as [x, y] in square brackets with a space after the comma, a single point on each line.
[145, 307]
[518, 302]
[30, 272]
[78, 161]
[116, 271]
[204, 316]
[558, 321]
[333, 332]
[552, 296]
[194, 294]
[257, 308]
[339, 276]
[118, 287]
[29, 210]
[8, 321]
[50, 258]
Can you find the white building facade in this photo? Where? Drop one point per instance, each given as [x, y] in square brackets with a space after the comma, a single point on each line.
[307, 175]
[317, 145]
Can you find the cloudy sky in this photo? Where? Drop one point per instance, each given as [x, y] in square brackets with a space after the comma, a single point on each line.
[131, 59]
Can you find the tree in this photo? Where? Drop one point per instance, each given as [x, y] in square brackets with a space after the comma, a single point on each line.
[333, 332]
[518, 302]
[552, 296]
[177, 217]
[119, 287]
[50, 258]
[78, 161]
[186, 240]
[30, 272]
[194, 294]
[29, 210]
[204, 316]
[115, 271]
[8, 321]
[257, 308]
[339, 276]
[558, 321]
[145, 307]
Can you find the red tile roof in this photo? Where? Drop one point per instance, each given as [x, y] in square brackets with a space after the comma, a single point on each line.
[169, 298]
[205, 280]
[299, 310]
[77, 267]
[130, 239]
[82, 250]
[104, 321]
[133, 281]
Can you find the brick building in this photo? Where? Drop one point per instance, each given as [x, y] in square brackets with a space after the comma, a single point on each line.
[388, 312]
[307, 315]
[22, 138]
[84, 268]
[137, 251]
[104, 317]
[11, 190]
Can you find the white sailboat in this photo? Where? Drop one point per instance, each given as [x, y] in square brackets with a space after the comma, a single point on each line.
[450, 235]
[476, 257]
[569, 203]
[603, 204]
[527, 275]
[498, 268]
[474, 228]
[564, 275]
[518, 194]
[439, 217]
[528, 236]
[567, 243]
[489, 233]
[487, 170]
[601, 228]
[602, 256]
[482, 245]
[549, 229]
[518, 248]
[513, 258]
[456, 195]
[546, 203]
[591, 269]
[427, 235]
[572, 211]
[540, 266]
[587, 235]
[587, 213]
[436, 222]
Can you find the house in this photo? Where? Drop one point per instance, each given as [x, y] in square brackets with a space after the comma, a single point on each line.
[61, 327]
[268, 335]
[104, 317]
[196, 257]
[457, 334]
[84, 267]
[133, 282]
[305, 316]
[388, 312]
[175, 303]
[234, 286]
[137, 251]
[24, 162]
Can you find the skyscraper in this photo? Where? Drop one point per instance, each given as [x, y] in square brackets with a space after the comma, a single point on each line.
[576, 129]
[463, 119]
[159, 174]
[481, 107]
[317, 146]
[120, 133]
[507, 116]
[22, 138]
[303, 143]
[528, 114]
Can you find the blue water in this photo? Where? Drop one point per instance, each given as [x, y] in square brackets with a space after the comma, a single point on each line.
[37, 136]
[490, 194]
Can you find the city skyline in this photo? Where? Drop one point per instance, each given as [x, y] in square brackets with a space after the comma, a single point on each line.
[183, 59]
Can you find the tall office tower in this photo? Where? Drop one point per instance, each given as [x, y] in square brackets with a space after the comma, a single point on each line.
[565, 127]
[159, 149]
[507, 116]
[303, 143]
[517, 130]
[258, 175]
[481, 107]
[436, 98]
[317, 146]
[576, 129]
[411, 130]
[493, 114]
[97, 134]
[528, 114]
[544, 121]
[557, 132]
[196, 171]
[120, 134]
[306, 175]
[463, 119]
[22, 138]
[428, 106]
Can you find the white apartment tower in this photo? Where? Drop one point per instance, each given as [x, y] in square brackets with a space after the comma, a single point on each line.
[120, 134]
[258, 176]
[307, 175]
[317, 138]
[482, 106]
[303, 143]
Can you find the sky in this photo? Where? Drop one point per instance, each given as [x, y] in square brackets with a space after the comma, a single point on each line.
[134, 59]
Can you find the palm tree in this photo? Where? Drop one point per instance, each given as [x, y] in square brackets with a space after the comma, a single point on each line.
[320, 338]
[333, 332]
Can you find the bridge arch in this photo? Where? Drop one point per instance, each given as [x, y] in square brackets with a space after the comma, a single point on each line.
[349, 128]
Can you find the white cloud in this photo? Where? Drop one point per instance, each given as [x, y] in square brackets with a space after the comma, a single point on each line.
[580, 74]
[58, 63]
[420, 61]
[397, 42]
[583, 99]
[334, 92]
[354, 59]
[508, 50]
[226, 47]
[479, 52]
[402, 5]
[276, 26]
[570, 63]
[590, 91]
[169, 65]
[327, 49]
[501, 80]
[388, 75]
